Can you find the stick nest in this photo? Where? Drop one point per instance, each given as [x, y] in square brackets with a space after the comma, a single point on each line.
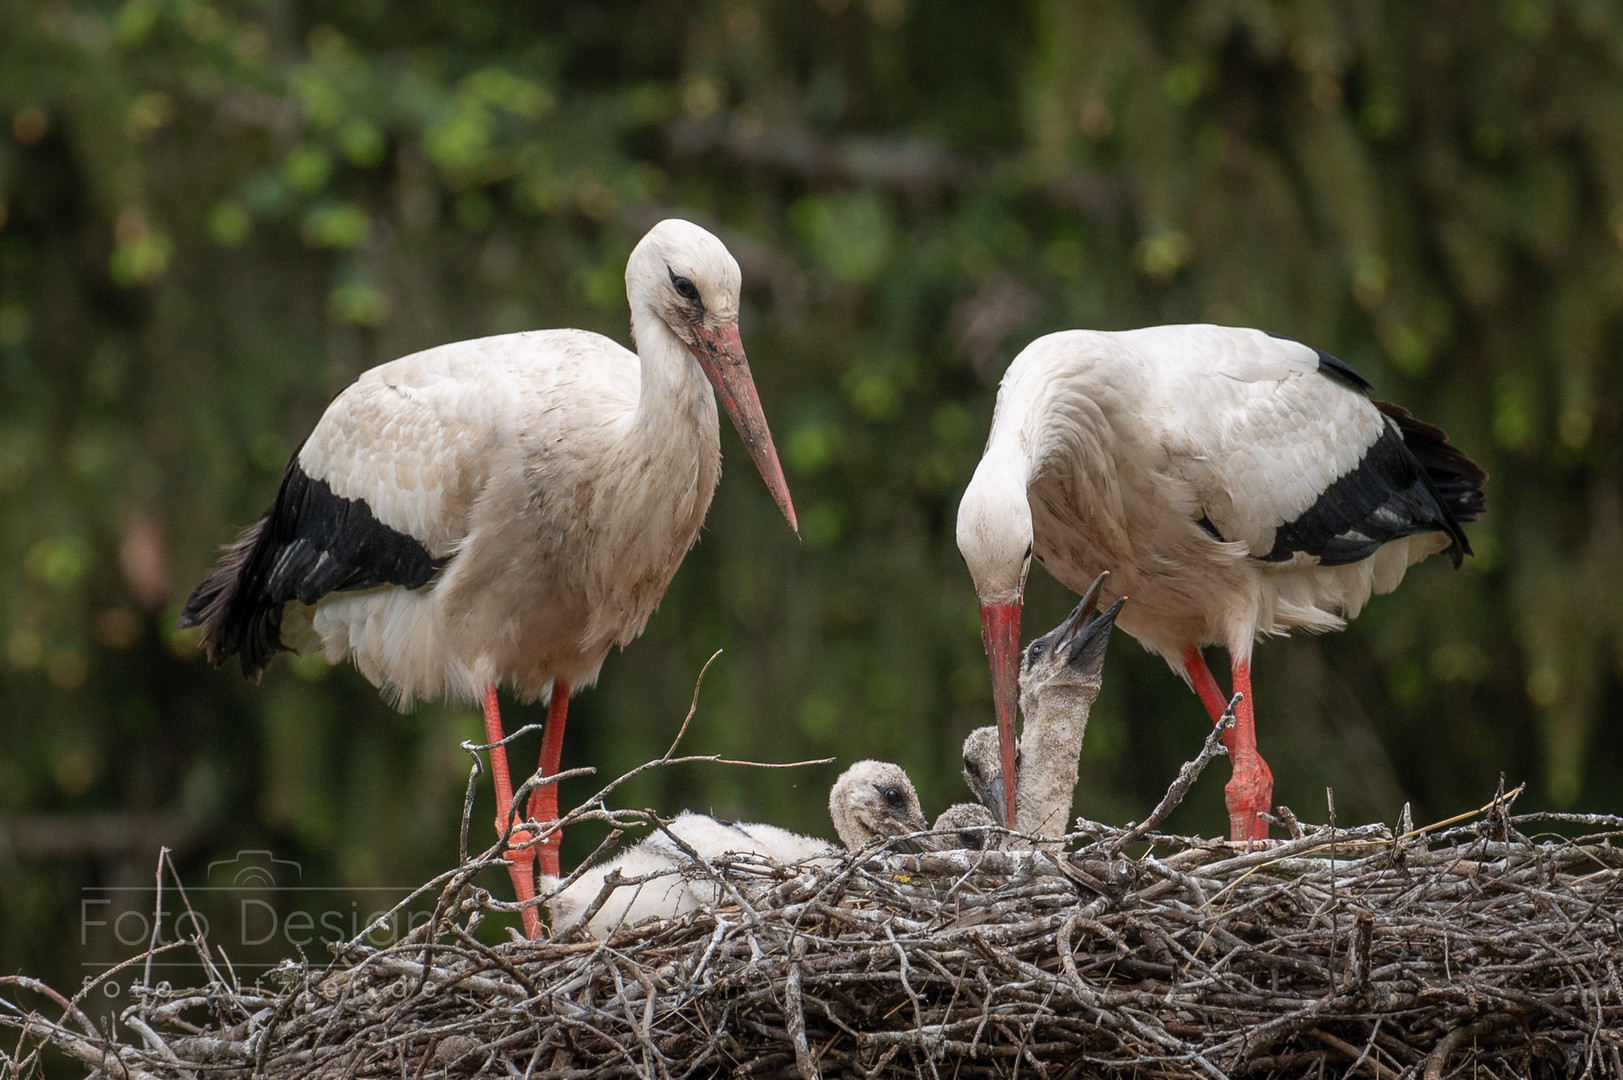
[1464, 948]
[1468, 948]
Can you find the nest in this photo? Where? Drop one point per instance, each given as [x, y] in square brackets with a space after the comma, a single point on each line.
[1482, 946]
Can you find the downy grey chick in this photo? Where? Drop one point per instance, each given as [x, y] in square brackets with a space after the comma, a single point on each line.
[1060, 676]
[965, 826]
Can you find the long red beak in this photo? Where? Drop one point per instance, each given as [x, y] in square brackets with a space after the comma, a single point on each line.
[721, 354]
[1000, 626]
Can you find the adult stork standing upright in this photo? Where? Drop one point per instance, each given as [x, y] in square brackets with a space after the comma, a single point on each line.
[502, 511]
[1233, 482]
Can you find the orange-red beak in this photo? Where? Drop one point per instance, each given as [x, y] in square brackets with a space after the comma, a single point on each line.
[721, 355]
[1000, 627]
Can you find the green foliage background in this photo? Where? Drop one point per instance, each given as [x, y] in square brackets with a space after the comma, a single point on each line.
[214, 215]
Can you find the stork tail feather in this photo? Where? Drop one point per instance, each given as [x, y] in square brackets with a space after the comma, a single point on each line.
[214, 608]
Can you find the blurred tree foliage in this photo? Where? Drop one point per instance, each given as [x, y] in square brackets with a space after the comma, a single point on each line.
[214, 215]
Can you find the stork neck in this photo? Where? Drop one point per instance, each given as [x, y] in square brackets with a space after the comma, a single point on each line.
[1047, 414]
[1008, 459]
[672, 387]
[1050, 752]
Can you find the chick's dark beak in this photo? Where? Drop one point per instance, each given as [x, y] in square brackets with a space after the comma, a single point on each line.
[1086, 631]
[994, 801]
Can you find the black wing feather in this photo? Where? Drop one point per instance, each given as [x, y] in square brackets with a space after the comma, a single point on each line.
[1411, 480]
[1457, 478]
[311, 542]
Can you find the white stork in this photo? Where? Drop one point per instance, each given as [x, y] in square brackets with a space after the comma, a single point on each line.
[1234, 483]
[504, 510]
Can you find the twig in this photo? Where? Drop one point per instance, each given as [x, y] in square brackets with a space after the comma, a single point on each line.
[693, 707]
[795, 1015]
[1187, 774]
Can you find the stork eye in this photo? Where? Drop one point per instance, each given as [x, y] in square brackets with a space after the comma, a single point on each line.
[893, 796]
[1032, 651]
[972, 768]
[684, 287]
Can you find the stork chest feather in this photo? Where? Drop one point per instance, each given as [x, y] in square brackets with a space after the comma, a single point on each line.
[580, 536]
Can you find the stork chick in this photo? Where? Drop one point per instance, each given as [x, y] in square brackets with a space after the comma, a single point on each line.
[967, 826]
[870, 800]
[874, 799]
[983, 771]
[1060, 677]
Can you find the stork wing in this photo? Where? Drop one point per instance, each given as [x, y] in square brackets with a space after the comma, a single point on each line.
[414, 441]
[1290, 457]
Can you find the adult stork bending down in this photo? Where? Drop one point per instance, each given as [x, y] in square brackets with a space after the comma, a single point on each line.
[1233, 483]
[502, 511]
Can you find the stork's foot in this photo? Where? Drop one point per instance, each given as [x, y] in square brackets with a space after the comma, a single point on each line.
[1248, 793]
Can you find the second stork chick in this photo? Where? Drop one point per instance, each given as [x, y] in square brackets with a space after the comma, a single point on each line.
[968, 826]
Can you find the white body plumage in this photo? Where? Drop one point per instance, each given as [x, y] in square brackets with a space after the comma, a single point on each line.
[675, 884]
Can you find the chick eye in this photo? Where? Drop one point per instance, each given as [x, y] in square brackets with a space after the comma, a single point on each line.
[685, 288]
[893, 796]
[1033, 650]
[972, 768]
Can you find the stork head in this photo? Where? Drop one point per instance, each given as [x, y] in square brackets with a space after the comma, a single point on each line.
[685, 276]
[965, 826]
[983, 770]
[1065, 665]
[874, 799]
[995, 538]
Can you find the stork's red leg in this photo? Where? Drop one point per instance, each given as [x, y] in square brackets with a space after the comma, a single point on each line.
[1205, 684]
[543, 804]
[1251, 789]
[520, 862]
